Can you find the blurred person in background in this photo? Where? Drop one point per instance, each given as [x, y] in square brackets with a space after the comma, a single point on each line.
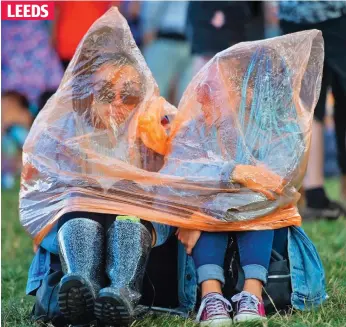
[272, 24]
[131, 11]
[330, 18]
[256, 24]
[331, 166]
[29, 64]
[72, 20]
[16, 120]
[165, 47]
[213, 26]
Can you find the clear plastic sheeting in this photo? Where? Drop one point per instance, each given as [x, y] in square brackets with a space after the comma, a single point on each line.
[232, 156]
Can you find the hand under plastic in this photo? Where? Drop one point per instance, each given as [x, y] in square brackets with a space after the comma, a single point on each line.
[150, 129]
[188, 238]
[258, 179]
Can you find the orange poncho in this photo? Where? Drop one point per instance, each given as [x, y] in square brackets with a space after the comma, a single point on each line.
[232, 158]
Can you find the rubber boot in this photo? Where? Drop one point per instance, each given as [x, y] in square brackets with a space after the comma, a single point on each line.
[81, 243]
[128, 248]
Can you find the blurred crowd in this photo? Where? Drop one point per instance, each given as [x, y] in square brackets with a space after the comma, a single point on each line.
[176, 38]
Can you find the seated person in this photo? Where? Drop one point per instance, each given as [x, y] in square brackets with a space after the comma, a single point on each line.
[253, 136]
[92, 116]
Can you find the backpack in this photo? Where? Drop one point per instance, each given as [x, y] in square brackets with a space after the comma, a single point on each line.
[277, 292]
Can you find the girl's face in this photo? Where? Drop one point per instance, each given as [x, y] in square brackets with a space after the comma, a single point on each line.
[117, 92]
[220, 94]
[211, 96]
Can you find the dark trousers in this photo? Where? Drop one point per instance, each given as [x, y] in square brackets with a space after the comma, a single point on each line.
[334, 75]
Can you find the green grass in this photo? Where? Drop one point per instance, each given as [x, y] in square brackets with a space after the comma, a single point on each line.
[329, 237]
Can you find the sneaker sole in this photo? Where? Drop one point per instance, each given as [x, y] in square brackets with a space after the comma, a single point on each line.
[217, 323]
[75, 299]
[111, 309]
[248, 317]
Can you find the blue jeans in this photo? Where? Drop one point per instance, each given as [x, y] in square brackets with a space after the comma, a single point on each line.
[254, 251]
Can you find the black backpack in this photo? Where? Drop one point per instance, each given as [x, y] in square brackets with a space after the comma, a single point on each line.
[277, 292]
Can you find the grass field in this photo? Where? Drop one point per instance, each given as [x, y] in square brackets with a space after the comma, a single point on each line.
[329, 237]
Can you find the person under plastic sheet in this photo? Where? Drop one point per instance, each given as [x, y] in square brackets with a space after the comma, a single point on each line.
[106, 88]
[208, 148]
[93, 121]
[249, 137]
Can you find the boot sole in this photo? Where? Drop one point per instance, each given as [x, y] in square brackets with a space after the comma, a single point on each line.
[76, 301]
[111, 309]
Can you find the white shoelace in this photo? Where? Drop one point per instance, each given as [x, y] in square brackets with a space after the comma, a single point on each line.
[215, 304]
[247, 301]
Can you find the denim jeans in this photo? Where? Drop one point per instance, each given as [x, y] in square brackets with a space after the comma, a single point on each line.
[254, 251]
[209, 255]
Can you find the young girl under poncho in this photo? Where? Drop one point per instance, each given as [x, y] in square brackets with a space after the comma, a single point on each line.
[85, 122]
[273, 142]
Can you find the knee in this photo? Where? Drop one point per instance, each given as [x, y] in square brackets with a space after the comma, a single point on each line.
[161, 233]
[210, 249]
[76, 215]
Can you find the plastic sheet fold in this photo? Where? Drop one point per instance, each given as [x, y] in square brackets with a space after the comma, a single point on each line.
[231, 157]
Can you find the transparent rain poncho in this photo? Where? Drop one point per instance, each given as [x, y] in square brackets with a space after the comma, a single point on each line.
[232, 156]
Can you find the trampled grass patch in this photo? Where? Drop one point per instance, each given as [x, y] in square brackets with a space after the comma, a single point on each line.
[329, 238]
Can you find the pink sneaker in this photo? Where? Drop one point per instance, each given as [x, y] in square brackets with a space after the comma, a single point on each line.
[214, 311]
[248, 307]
